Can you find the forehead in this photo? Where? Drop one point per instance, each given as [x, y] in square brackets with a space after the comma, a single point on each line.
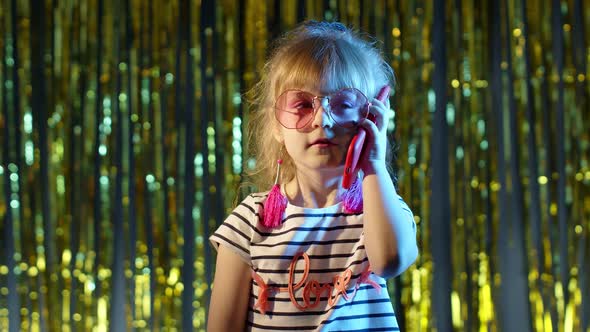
[319, 84]
[316, 90]
[311, 92]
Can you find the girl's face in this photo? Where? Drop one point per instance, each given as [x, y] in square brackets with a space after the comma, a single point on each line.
[319, 145]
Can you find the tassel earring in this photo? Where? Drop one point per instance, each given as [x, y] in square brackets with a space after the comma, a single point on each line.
[275, 204]
[353, 197]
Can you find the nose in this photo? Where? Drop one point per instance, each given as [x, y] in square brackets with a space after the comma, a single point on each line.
[322, 118]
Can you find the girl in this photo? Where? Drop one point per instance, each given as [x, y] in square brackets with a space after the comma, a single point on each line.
[309, 254]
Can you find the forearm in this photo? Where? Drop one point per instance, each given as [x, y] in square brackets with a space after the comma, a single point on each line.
[390, 239]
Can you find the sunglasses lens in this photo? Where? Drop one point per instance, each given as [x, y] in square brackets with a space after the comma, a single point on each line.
[294, 109]
[348, 107]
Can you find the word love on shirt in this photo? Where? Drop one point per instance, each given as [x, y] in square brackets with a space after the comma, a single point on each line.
[311, 287]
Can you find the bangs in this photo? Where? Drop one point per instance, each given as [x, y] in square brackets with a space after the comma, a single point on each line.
[327, 64]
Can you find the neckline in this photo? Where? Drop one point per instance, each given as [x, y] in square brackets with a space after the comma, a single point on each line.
[326, 209]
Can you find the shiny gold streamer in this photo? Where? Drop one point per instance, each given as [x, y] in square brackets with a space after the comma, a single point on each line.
[56, 264]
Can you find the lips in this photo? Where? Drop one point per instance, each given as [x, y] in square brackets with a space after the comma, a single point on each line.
[322, 142]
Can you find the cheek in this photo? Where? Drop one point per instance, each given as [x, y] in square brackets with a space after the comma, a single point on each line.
[343, 152]
[346, 137]
[345, 132]
[292, 143]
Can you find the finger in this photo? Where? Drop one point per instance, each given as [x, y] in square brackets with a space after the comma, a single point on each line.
[381, 114]
[370, 127]
[381, 106]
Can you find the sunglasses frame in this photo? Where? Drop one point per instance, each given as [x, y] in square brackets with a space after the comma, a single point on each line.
[315, 108]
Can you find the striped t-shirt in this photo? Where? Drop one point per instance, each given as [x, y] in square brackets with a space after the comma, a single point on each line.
[314, 252]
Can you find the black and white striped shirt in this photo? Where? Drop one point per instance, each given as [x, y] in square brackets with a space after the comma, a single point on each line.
[332, 242]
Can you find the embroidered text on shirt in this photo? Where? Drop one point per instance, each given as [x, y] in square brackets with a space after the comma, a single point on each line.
[311, 287]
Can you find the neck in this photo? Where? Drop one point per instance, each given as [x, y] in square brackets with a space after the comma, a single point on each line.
[315, 189]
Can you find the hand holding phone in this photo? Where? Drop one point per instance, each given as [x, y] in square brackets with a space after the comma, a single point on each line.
[357, 145]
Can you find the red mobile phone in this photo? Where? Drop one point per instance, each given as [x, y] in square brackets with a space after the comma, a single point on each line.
[356, 147]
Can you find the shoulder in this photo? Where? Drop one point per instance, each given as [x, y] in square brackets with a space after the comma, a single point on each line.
[250, 209]
[238, 228]
[256, 198]
[253, 203]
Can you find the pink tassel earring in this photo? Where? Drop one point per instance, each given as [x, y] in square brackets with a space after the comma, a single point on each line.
[353, 197]
[275, 203]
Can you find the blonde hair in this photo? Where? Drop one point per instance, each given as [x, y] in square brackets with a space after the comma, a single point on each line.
[328, 53]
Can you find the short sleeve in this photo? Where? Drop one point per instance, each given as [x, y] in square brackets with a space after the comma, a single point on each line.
[238, 228]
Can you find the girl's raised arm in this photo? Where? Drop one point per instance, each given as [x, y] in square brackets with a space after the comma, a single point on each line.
[231, 289]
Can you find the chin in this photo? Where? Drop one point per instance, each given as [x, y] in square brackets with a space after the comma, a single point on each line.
[333, 165]
[328, 161]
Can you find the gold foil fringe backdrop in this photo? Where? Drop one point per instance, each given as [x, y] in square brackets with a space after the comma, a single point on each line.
[122, 148]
